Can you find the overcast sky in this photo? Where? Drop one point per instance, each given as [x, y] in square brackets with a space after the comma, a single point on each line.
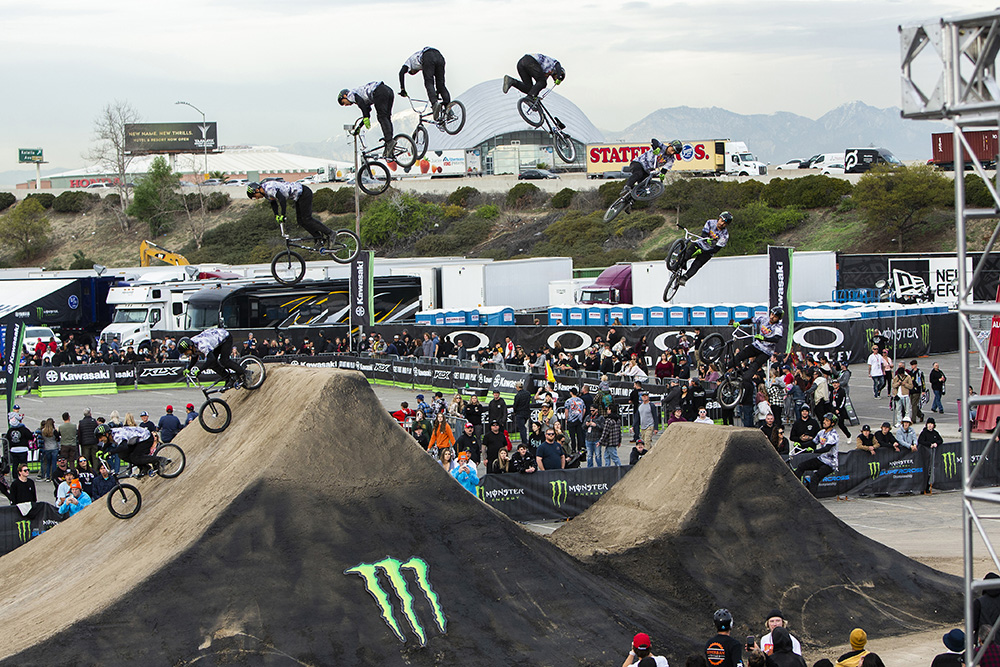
[269, 72]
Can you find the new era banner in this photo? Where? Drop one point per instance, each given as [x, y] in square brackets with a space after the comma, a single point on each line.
[362, 291]
[780, 263]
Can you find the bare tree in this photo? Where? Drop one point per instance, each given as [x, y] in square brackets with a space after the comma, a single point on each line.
[109, 153]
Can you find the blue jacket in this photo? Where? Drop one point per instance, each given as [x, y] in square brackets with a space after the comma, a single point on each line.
[168, 426]
[468, 479]
[73, 508]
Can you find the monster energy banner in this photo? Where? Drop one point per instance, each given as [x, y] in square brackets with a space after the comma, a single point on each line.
[550, 494]
[887, 472]
[17, 528]
[361, 289]
[780, 293]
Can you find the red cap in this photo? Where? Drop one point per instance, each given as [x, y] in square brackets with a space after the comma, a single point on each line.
[170, 408]
[189, 406]
[641, 641]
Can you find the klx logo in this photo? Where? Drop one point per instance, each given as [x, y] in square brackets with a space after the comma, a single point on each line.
[159, 371]
[560, 492]
[950, 463]
[393, 571]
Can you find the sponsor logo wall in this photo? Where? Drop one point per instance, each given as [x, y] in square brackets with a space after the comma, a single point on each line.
[549, 494]
[17, 528]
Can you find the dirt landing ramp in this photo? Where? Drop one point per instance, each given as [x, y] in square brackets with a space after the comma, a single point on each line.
[711, 517]
[312, 532]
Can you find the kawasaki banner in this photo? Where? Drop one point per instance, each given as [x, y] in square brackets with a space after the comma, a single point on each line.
[76, 380]
[13, 340]
[549, 494]
[780, 292]
[16, 527]
[362, 291]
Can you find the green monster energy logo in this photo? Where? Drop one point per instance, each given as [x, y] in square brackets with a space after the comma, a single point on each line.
[925, 333]
[560, 491]
[873, 468]
[23, 531]
[950, 461]
[481, 493]
[393, 570]
[38, 313]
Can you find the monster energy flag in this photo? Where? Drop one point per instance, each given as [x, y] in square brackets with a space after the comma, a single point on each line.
[17, 528]
[13, 339]
[780, 281]
[362, 291]
[549, 494]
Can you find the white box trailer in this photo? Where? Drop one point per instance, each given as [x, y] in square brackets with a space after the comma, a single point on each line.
[518, 283]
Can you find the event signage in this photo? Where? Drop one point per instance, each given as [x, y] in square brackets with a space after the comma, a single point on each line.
[29, 155]
[362, 291]
[13, 341]
[170, 137]
[548, 494]
[780, 292]
[17, 528]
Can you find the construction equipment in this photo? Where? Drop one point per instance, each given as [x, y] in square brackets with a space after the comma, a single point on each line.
[149, 250]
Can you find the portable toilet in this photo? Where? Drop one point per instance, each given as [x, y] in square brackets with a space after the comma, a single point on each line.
[721, 314]
[742, 311]
[439, 318]
[557, 316]
[576, 316]
[596, 315]
[700, 315]
[677, 315]
[455, 318]
[799, 307]
[619, 313]
[425, 317]
[867, 311]
[472, 317]
[760, 309]
[656, 316]
[637, 316]
[496, 316]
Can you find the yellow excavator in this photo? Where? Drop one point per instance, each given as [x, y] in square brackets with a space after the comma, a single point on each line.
[149, 251]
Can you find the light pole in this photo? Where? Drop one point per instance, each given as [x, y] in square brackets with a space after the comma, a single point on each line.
[203, 122]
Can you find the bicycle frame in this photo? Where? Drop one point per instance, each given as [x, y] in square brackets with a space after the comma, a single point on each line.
[426, 113]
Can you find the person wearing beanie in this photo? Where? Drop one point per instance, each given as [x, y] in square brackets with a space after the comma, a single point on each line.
[641, 653]
[853, 658]
[954, 641]
[928, 441]
[804, 429]
[775, 619]
[986, 608]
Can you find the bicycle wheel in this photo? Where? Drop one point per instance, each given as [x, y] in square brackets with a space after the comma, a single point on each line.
[404, 151]
[711, 348]
[670, 289]
[420, 141]
[253, 372]
[617, 207]
[215, 415]
[124, 501]
[530, 111]
[454, 118]
[374, 178]
[344, 246]
[649, 191]
[675, 255]
[728, 391]
[175, 460]
[288, 267]
[564, 146]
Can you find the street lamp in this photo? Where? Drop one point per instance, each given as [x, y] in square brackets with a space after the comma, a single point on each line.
[203, 122]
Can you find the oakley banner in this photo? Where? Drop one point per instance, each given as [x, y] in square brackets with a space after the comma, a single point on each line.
[555, 494]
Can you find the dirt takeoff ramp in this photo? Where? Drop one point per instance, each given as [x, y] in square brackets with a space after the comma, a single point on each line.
[713, 517]
[311, 532]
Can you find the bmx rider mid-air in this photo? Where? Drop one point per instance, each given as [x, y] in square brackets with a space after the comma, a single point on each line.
[715, 235]
[215, 347]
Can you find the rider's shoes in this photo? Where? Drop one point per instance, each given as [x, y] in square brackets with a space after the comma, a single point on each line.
[320, 241]
[389, 145]
[437, 111]
[683, 281]
[152, 472]
[507, 82]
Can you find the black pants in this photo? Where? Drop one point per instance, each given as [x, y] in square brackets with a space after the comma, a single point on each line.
[822, 470]
[635, 174]
[758, 359]
[432, 64]
[576, 435]
[304, 215]
[699, 261]
[533, 77]
[521, 426]
[842, 422]
[382, 98]
[221, 360]
[137, 454]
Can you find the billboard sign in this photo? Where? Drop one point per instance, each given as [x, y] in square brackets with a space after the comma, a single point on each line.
[29, 155]
[695, 156]
[170, 137]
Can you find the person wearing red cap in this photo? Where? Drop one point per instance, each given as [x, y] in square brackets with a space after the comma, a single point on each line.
[169, 425]
[191, 415]
[642, 652]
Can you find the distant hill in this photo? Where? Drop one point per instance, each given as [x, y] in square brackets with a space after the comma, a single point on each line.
[781, 136]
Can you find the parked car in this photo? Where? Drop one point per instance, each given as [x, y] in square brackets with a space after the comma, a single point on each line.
[237, 181]
[212, 181]
[271, 178]
[100, 185]
[308, 180]
[833, 169]
[535, 174]
[791, 164]
[34, 334]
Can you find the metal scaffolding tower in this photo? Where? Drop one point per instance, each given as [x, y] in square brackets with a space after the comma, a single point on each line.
[965, 94]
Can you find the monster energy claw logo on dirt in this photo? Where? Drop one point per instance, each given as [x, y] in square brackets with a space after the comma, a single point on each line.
[950, 462]
[23, 531]
[560, 491]
[393, 570]
[873, 468]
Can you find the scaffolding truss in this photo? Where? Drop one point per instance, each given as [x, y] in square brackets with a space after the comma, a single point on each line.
[965, 94]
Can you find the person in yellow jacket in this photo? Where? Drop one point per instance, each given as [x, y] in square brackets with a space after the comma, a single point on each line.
[853, 658]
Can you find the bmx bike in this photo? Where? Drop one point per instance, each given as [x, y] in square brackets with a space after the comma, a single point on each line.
[535, 114]
[288, 267]
[215, 414]
[714, 349]
[373, 175]
[124, 500]
[451, 121]
[676, 263]
[647, 189]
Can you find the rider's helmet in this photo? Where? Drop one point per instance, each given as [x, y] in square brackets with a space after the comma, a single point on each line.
[185, 344]
[253, 188]
[723, 620]
[102, 430]
[726, 217]
[559, 73]
[678, 145]
[778, 311]
[832, 417]
[342, 97]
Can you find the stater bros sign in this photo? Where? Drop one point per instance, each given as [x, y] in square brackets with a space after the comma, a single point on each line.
[170, 137]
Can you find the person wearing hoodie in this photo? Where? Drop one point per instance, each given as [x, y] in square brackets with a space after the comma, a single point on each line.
[928, 441]
[466, 474]
[783, 655]
[985, 608]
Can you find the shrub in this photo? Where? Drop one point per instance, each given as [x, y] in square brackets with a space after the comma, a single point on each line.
[392, 220]
[460, 237]
[112, 202]
[756, 225]
[609, 192]
[487, 211]
[810, 192]
[523, 195]
[453, 212]
[463, 196]
[80, 261]
[25, 229]
[216, 201]
[342, 201]
[321, 200]
[43, 198]
[74, 201]
[6, 200]
[976, 194]
[563, 198]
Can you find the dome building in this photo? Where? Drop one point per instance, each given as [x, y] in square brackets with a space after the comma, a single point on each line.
[504, 142]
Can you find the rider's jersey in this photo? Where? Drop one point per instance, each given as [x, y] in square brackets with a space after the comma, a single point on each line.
[828, 439]
[717, 238]
[363, 93]
[650, 160]
[129, 435]
[209, 339]
[287, 190]
[548, 64]
[771, 332]
[415, 63]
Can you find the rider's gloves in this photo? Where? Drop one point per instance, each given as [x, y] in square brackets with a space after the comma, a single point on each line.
[557, 81]
[402, 93]
[735, 324]
[279, 218]
[193, 371]
[662, 176]
[368, 123]
[696, 253]
[656, 151]
[758, 337]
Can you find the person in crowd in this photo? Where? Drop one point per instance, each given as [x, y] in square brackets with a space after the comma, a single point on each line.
[493, 442]
[677, 416]
[703, 417]
[876, 371]
[76, 500]
[522, 461]
[146, 423]
[649, 418]
[885, 438]
[776, 619]
[19, 439]
[722, 649]
[448, 461]
[866, 441]
[550, 455]
[954, 641]
[664, 367]
[103, 482]
[838, 403]
[783, 653]
[769, 428]
[522, 409]
[827, 459]
[902, 385]
[421, 436]
[593, 429]
[546, 415]
[576, 411]
[438, 405]
[404, 416]
[781, 444]
[497, 411]
[536, 437]
[420, 419]
[637, 452]
[928, 442]
[60, 474]
[805, 429]
[441, 436]
[85, 435]
[22, 489]
[466, 473]
[937, 380]
[821, 392]
[641, 653]
[168, 426]
[853, 658]
[611, 437]
[49, 449]
[906, 437]
[502, 464]
[68, 439]
[474, 411]
[986, 609]
[468, 441]
[86, 475]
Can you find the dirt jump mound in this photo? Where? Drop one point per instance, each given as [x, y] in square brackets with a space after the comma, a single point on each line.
[713, 517]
